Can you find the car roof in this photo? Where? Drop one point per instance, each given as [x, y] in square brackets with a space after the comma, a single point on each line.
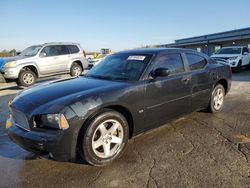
[234, 47]
[158, 50]
[61, 43]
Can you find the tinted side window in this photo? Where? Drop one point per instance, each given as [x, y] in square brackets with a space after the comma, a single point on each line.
[171, 61]
[245, 50]
[50, 51]
[73, 49]
[196, 62]
[55, 50]
[62, 50]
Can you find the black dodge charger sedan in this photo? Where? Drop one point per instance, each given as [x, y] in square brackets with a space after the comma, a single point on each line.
[126, 94]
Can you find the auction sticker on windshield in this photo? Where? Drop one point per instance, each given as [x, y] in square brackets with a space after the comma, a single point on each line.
[137, 57]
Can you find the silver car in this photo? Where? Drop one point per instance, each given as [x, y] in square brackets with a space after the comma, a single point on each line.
[44, 60]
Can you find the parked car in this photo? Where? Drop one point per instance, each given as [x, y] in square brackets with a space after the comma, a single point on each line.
[43, 60]
[127, 94]
[96, 61]
[234, 56]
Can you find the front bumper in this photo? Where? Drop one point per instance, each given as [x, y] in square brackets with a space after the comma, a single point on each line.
[11, 73]
[231, 63]
[2, 79]
[60, 144]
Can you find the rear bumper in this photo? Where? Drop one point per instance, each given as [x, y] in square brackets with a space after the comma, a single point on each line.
[60, 144]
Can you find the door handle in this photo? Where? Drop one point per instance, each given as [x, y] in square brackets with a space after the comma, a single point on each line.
[185, 80]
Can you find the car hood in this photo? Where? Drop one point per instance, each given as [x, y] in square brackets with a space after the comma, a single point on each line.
[224, 55]
[5, 60]
[68, 90]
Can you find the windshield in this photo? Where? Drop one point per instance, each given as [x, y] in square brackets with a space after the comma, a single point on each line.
[120, 67]
[31, 51]
[229, 51]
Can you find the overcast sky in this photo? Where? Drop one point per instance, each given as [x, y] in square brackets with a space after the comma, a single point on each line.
[115, 24]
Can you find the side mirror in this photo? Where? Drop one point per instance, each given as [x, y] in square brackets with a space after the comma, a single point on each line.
[160, 72]
[245, 53]
[43, 54]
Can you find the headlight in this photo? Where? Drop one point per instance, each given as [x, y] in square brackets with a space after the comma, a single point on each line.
[10, 64]
[233, 58]
[56, 121]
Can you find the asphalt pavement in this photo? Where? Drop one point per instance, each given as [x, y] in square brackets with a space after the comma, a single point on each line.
[197, 150]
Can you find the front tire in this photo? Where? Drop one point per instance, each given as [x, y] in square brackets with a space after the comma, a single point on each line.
[217, 99]
[26, 78]
[76, 70]
[104, 138]
[239, 65]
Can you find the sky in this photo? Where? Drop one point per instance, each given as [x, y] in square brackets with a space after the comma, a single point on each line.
[115, 24]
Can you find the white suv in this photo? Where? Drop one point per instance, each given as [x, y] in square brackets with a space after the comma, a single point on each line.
[43, 60]
[235, 56]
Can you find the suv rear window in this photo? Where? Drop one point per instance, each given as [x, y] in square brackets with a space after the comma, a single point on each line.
[73, 49]
[196, 62]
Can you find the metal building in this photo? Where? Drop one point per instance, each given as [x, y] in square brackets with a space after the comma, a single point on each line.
[208, 44]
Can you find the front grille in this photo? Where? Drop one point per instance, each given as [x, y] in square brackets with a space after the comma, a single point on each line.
[20, 119]
[225, 58]
[220, 59]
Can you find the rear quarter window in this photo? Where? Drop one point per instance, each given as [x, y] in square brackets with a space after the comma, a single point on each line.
[196, 62]
[73, 49]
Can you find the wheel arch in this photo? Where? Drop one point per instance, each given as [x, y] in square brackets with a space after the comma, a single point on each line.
[119, 108]
[77, 61]
[31, 67]
[224, 83]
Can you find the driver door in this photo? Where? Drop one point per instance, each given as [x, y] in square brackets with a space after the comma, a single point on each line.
[167, 97]
[48, 61]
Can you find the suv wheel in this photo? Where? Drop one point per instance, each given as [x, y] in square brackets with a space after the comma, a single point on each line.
[75, 70]
[26, 78]
[217, 99]
[104, 138]
[239, 65]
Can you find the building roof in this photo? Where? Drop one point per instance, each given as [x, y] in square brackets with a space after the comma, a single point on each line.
[214, 38]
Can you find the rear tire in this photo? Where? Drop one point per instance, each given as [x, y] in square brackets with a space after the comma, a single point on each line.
[217, 99]
[76, 70]
[26, 78]
[104, 138]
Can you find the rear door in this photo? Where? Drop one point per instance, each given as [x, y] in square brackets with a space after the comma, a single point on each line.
[63, 58]
[167, 97]
[200, 80]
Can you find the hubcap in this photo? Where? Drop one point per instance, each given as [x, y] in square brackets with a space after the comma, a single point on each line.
[76, 71]
[218, 99]
[107, 138]
[28, 78]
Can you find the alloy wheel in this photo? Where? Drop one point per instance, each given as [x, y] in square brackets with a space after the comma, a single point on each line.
[28, 78]
[107, 138]
[76, 71]
[218, 99]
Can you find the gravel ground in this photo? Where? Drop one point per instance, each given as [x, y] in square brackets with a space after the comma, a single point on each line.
[198, 150]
